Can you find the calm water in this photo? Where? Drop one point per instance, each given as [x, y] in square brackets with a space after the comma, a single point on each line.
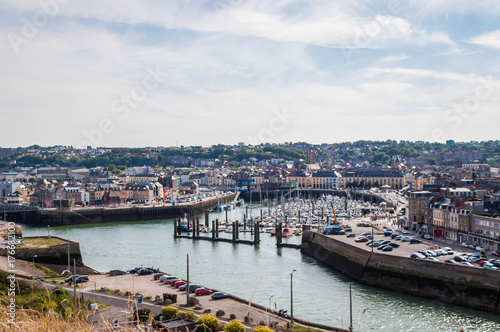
[320, 293]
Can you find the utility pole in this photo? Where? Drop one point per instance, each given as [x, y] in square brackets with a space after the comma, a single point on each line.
[187, 281]
[291, 298]
[350, 306]
[74, 280]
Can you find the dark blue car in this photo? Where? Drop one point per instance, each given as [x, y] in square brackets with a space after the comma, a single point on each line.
[144, 272]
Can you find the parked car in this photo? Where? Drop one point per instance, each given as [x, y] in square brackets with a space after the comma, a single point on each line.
[387, 248]
[466, 264]
[134, 270]
[415, 241]
[374, 244]
[81, 279]
[361, 239]
[179, 283]
[393, 244]
[399, 237]
[192, 287]
[459, 259]
[142, 272]
[387, 233]
[116, 272]
[417, 255]
[449, 251]
[157, 276]
[351, 235]
[490, 266]
[432, 259]
[450, 261]
[172, 282]
[427, 237]
[382, 246]
[465, 245]
[440, 252]
[166, 279]
[405, 239]
[366, 234]
[202, 291]
[218, 296]
[70, 278]
[348, 230]
[479, 248]
[405, 232]
[394, 235]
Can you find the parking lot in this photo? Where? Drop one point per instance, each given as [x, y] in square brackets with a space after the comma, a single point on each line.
[146, 286]
[405, 249]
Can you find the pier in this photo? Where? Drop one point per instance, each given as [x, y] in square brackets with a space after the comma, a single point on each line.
[254, 228]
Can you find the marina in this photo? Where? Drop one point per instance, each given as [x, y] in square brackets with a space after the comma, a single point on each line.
[263, 271]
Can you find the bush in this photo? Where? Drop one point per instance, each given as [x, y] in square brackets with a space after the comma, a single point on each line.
[234, 326]
[142, 314]
[208, 323]
[262, 328]
[169, 312]
[187, 315]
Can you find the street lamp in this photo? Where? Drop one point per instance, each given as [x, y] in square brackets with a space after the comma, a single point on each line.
[33, 274]
[270, 297]
[48, 231]
[291, 298]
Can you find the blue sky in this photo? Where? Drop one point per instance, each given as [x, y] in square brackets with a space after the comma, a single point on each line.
[151, 73]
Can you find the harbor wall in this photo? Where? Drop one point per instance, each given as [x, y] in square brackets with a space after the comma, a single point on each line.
[55, 254]
[119, 214]
[449, 283]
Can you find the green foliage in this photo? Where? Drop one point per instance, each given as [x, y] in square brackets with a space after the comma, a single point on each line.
[262, 328]
[208, 323]
[187, 315]
[170, 312]
[142, 314]
[234, 326]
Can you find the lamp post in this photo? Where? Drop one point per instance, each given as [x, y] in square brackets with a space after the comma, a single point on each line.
[33, 274]
[48, 231]
[291, 298]
[270, 297]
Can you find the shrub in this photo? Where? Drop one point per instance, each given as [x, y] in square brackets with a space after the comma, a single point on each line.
[187, 315]
[142, 314]
[262, 328]
[169, 312]
[208, 323]
[234, 326]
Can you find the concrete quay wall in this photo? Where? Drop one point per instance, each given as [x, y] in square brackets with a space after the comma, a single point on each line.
[118, 214]
[55, 254]
[471, 287]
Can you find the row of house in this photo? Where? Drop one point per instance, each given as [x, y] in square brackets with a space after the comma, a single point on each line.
[456, 215]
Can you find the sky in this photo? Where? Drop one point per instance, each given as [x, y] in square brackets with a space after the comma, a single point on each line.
[164, 73]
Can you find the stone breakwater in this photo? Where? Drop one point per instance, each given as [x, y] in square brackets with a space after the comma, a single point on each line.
[471, 287]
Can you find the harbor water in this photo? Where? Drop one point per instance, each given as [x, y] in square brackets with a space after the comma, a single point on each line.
[262, 274]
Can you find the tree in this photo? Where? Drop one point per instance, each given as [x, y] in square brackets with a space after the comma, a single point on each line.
[208, 323]
[31, 180]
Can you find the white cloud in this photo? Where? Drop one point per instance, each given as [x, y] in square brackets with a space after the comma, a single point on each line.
[395, 57]
[490, 39]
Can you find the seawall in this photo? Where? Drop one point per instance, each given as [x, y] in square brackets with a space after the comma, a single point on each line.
[96, 215]
[449, 283]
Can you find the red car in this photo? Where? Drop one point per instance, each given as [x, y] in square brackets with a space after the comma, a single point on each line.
[361, 239]
[179, 283]
[495, 253]
[203, 291]
[482, 262]
[173, 281]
